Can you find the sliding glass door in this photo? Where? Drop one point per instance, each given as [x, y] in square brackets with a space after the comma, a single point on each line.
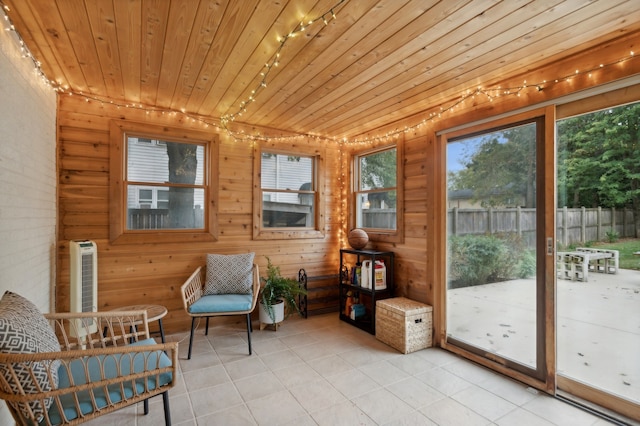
[598, 267]
[495, 252]
[543, 248]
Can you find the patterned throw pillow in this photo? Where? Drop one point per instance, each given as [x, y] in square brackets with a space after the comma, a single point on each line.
[229, 274]
[24, 330]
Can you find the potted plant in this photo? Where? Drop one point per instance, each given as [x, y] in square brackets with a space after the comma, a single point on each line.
[278, 296]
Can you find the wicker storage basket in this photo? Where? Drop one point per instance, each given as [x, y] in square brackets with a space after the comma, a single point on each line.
[404, 324]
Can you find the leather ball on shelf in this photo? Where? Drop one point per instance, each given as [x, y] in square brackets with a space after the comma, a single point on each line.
[358, 238]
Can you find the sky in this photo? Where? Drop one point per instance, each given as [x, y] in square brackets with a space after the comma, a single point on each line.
[454, 152]
[463, 148]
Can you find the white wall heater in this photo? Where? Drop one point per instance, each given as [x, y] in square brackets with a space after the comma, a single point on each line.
[84, 283]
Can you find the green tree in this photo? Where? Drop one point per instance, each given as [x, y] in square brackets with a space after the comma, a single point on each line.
[599, 159]
[379, 171]
[501, 169]
[598, 162]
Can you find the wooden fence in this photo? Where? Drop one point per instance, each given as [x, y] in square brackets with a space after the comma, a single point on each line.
[573, 225]
[379, 218]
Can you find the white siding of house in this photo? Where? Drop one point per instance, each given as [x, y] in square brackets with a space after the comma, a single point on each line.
[27, 181]
[291, 175]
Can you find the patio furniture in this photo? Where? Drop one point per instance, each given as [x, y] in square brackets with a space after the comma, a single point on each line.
[154, 313]
[68, 368]
[576, 265]
[228, 285]
[601, 260]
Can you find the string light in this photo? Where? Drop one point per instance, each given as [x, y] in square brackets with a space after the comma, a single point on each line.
[489, 93]
[23, 47]
[274, 61]
[344, 186]
[436, 112]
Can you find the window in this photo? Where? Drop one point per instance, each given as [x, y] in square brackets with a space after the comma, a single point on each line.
[378, 194]
[145, 198]
[288, 192]
[151, 198]
[162, 199]
[160, 182]
[174, 169]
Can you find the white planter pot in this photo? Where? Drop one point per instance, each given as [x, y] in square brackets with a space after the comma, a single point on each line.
[264, 315]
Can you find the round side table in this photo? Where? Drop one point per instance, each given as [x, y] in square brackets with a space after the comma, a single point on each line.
[154, 313]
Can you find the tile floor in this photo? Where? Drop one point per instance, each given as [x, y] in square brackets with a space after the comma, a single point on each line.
[322, 371]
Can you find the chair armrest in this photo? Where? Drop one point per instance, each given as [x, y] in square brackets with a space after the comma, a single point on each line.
[193, 288]
[256, 285]
[124, 375]
[82, 330]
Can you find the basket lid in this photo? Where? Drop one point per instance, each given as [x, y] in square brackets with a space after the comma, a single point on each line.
[402, 305]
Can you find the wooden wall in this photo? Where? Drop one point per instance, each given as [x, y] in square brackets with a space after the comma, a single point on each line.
[130, 274]
[152, 273]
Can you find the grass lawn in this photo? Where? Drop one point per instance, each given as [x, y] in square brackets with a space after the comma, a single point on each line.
[626, 247]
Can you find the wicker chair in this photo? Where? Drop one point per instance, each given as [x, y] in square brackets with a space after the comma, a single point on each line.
[104, 363]
[198, 304]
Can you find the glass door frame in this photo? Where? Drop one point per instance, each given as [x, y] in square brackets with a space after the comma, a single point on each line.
[568, 388]
[543, 376]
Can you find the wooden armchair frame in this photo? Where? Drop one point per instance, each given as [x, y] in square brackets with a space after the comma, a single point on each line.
[109, 361]
[193, 290]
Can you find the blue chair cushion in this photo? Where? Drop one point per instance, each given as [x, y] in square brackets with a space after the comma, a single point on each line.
[109, 364]
[218, 303]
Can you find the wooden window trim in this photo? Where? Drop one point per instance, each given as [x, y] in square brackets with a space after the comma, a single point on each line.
[118, 234]
[377, 235]
[260, 233]
[590, 104]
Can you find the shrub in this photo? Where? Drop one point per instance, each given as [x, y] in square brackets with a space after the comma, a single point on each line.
[527, 264]
[612, 236]
[482, 259]
[512, 253]
[473, 259]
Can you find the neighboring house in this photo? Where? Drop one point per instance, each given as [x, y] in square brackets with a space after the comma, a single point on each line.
[287, 207]
[283, 173]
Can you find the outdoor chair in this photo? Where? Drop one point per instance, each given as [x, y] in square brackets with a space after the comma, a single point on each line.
[68, 368]
[228, 285]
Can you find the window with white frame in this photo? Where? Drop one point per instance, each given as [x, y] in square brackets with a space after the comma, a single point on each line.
[152, 198]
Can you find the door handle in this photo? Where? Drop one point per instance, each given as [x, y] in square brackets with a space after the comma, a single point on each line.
[550, 248]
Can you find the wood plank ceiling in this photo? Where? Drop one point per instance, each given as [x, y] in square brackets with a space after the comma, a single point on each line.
[374, 63]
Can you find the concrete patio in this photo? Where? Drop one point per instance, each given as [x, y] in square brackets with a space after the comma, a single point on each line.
[598, 326]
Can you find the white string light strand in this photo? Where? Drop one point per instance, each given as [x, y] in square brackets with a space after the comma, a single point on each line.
[275, 60]
[241, 136]
[491, 94]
